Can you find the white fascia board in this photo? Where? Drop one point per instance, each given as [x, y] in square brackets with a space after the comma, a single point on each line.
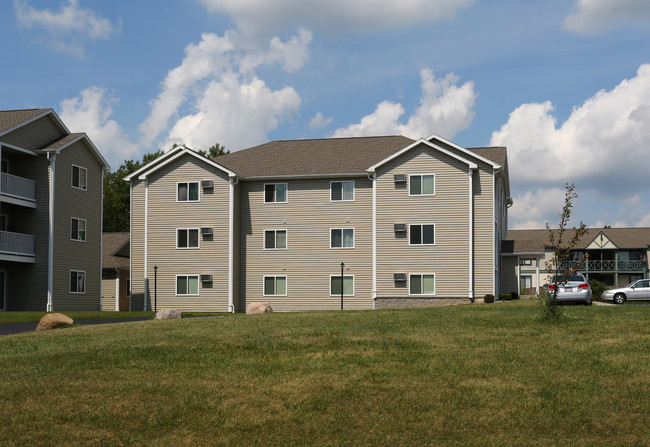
[470, 164]
[80, 137]
[153, 163]
[184, 151]
[530, 253]
[19, 149]
[34, 118]
[462, 149]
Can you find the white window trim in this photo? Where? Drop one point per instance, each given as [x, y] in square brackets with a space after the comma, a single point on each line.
[422, 245]
[526, 262]
[275, 287]
[342, 247]
[354, 188]
[422, 294]
[85, 229]
[188, 275]
[70, 282]
[72, 177]
[338, 294]
[188, 192]
[276, 239]
[188, 235]
[420, 175]
[275, 193]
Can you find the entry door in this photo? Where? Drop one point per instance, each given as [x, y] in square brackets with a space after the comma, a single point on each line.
[3, 291]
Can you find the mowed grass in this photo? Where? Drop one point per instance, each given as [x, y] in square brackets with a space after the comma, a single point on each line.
[18, 317]
[461, 375]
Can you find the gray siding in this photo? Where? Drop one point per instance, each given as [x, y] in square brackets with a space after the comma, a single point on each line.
[137, 244]
[35, 135]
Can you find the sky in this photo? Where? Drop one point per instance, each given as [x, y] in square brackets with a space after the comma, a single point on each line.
[564, 85]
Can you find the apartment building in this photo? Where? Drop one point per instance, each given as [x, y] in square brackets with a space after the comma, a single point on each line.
[309, 224]
[50, 214]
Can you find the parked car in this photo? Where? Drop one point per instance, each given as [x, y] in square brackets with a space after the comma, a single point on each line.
[638, 290]
[573, 288]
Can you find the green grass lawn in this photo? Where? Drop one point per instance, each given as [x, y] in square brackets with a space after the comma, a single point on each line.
[461, 375]
[17, 317]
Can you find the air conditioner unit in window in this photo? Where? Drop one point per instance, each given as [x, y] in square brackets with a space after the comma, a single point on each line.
[206, 184]
[206, 231]
[399, 277]
[400, 228]
[206, 278]
[400, 178]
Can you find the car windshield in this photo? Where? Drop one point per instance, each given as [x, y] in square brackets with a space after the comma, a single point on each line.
[574, 278]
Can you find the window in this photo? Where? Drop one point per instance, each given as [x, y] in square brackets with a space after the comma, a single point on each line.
[275, 193]
[77, 229]
[342, 191]
[348, 285]
[187, 284]
[525, 262]
[422, 234]
[77, 281]
[275, 239]
[187, 238]
[79, 177]
[422, 284]
[342, 238]
[526, 281]
[422, 185]
[275, 285]
[187, 192]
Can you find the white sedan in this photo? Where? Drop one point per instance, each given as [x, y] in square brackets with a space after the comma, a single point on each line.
[638, 290]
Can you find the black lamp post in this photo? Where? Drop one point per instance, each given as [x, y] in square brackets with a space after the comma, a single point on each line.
[342, 265]
[155, 288]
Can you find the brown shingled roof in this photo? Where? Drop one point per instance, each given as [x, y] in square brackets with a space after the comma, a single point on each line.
[111, 244]
[11, 118]
[313, 157]
[526, 241]
[496, 154]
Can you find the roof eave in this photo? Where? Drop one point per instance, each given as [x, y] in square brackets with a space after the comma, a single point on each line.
[374, 167]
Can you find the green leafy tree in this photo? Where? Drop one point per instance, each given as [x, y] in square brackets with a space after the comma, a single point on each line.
[214, 151]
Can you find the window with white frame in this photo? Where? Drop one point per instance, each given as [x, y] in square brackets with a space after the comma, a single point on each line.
[342, 238]
[526, 281]
[77, 281]
[187, 238]
[347, 285]
[78, 229]
[79, 177]
[422, 234]
[275, 193]
[275, 286]
[422, 184]
[275, 239]
[422, 284]
[187, 285]
[342, 191]
[525, 262]
[187, 192]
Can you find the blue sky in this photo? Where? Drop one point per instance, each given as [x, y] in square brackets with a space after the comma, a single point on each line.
[565, 85]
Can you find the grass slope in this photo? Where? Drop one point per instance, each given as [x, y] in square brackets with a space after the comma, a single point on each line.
[461, 375]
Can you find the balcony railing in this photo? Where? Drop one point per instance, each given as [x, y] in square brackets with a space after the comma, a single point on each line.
[608, 266]
[16, 243]
[14, 186]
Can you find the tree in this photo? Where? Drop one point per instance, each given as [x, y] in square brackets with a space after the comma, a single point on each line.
[558, 266]
[117, 191]
[214, 151]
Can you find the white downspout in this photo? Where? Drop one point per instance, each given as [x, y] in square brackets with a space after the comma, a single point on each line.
[537, 275]
[146, 237]
[101, 239]
[471, 234]
[231, 245]
[130, 239]
[374, 238]
[117, 289]
[50, 241]
[518, 270]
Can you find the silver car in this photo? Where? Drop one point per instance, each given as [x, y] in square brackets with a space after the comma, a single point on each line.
[573, 288]
[638, 290]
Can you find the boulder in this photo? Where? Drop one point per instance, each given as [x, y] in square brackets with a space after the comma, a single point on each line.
[53, 321]
[258, 308]
[168, 314]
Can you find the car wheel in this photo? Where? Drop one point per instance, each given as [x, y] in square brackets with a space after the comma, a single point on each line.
[619, 298]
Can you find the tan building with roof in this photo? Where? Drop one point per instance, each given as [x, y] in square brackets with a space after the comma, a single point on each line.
[50, 214]
[412, 222]
[115, 272]
[616, 256]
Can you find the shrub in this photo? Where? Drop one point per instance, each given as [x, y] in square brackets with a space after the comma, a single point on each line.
[597, 289]
[505, 296]
[515, 295]
[489, 298]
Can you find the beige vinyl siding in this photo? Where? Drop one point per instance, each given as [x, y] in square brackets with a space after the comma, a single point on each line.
[308, 260]
[35, 135]
[137, 244]
[108, 292]
[484, 231]
[74, 255]
[237, 302]
[510, 270]
[448, 210]
[166, 215]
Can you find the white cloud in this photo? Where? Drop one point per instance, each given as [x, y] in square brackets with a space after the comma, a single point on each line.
[68, 27]
[602, 146]
[260, 17]
[534, 209]
[445, 109]
[319, 121]
[215, 95]
[90, 113]
[594, 15]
